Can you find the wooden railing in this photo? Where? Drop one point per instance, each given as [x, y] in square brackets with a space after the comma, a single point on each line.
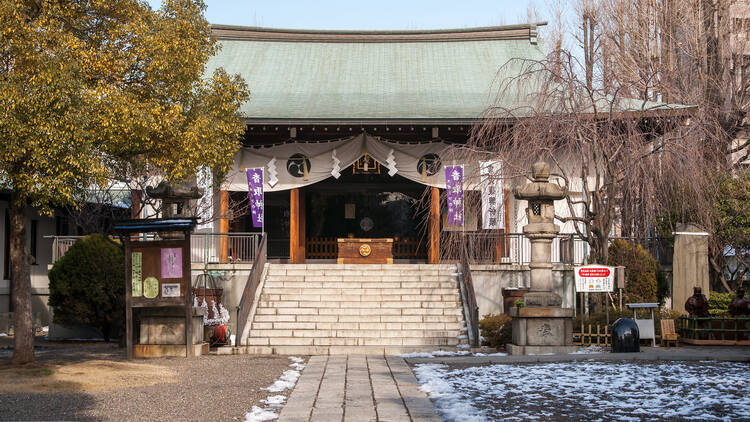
[321, 248]
[248, 294]
[599, 338]
[468, 297]
[715, 330]
[328, 248]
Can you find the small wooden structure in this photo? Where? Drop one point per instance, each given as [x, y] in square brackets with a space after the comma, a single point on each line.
[158, 286]
[365, 251]
[668, 334]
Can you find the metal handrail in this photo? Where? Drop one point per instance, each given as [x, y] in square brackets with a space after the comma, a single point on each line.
[205, 248]
[471, 309]
[251, 285]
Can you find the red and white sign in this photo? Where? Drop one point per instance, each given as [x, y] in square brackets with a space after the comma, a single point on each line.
[594, 278]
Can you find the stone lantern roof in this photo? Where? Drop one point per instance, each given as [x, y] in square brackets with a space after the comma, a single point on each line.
[540, 189]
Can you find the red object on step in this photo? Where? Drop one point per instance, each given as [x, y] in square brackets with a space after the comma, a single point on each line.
[221, 335]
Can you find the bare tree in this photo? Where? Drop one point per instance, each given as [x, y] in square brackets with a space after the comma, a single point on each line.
[605, 149]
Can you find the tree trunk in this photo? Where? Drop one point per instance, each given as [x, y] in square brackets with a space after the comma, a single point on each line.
[23, 340]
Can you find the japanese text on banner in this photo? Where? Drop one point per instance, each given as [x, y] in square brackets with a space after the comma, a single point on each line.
[454, 184]
[255, 195]
[493, 206]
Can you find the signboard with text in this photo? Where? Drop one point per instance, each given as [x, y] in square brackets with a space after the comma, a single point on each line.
[594, 278]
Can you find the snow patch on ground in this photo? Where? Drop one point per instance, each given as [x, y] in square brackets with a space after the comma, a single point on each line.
[436, 353]
[589, 350]
[3, 335]
[273, 403]
[259, 415]
[444, 353]
[589, 390]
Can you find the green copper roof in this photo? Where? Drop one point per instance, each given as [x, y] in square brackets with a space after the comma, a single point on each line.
[371, 75]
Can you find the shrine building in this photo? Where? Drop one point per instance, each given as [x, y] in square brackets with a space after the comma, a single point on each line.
[352, 128]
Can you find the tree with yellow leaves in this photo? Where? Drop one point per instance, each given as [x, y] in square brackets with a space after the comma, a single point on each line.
[97, 90]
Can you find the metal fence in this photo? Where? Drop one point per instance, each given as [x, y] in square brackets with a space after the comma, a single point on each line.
[61, 244]
[515, 248]
[224, 247]
[204, 247]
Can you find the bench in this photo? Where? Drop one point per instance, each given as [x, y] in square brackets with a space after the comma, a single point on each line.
[668, 334]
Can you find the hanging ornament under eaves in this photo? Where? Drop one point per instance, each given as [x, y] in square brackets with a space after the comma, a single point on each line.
[391, 161]
[336, 170]
[272, 173]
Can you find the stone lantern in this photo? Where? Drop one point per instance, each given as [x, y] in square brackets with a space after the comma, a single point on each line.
[542, 325]
[176, 198]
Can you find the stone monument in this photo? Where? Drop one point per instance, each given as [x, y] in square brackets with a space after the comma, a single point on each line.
[690, 264]
[542, 325]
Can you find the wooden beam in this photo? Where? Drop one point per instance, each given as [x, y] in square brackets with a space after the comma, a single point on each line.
[188, 292]
[128, 296]
[136, 195]
[433, 254]
[224, 225]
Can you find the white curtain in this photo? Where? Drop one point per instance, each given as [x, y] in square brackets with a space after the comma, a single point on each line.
[326, 159]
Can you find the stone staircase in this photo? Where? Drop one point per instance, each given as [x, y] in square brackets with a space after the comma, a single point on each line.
[321, 309]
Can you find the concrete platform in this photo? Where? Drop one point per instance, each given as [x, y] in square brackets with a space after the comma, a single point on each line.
[358, 388]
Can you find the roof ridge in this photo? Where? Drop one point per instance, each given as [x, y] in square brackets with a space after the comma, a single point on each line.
[255, 33]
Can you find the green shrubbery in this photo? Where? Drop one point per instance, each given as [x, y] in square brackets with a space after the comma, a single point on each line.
[496, 329]
[640, 268]
[87, 285]
[718, 303]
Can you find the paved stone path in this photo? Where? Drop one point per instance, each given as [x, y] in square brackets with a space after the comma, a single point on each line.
[357, 388]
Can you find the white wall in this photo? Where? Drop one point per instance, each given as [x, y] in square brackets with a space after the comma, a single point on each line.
[39, 280]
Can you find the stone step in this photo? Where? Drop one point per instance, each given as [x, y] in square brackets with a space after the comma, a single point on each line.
[359, 311]
[370, 318]
[291, 287]
[430, 329]
[336, 325]
[445, 303]
[375, 281]
[352, 341]
[369, 267]
[337, 350]
[304, 297]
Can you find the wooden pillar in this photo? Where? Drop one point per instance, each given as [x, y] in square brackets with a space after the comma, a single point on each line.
[136, 196]
[296, 226]
[433, 253]
[223, 225]
[502, 245]
[187, 292]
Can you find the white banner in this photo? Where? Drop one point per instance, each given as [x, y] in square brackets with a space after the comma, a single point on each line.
[297, 164]
[204, 180]
[493, 201]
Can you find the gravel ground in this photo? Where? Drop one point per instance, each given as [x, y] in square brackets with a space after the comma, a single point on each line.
[209, 388]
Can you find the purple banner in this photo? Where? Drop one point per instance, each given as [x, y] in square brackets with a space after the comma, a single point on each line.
[454, 185]
[255, 194]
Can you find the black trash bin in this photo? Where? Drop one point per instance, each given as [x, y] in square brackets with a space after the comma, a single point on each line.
[625, 336]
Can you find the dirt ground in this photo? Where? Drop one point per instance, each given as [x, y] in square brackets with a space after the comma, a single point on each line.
[94, 382]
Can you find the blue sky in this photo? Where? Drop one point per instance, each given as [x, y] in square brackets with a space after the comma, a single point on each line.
[370, 14]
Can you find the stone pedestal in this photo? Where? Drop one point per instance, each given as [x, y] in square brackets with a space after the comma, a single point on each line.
[541, 330]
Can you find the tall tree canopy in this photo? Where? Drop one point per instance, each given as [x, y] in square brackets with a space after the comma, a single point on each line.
[97, 90]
